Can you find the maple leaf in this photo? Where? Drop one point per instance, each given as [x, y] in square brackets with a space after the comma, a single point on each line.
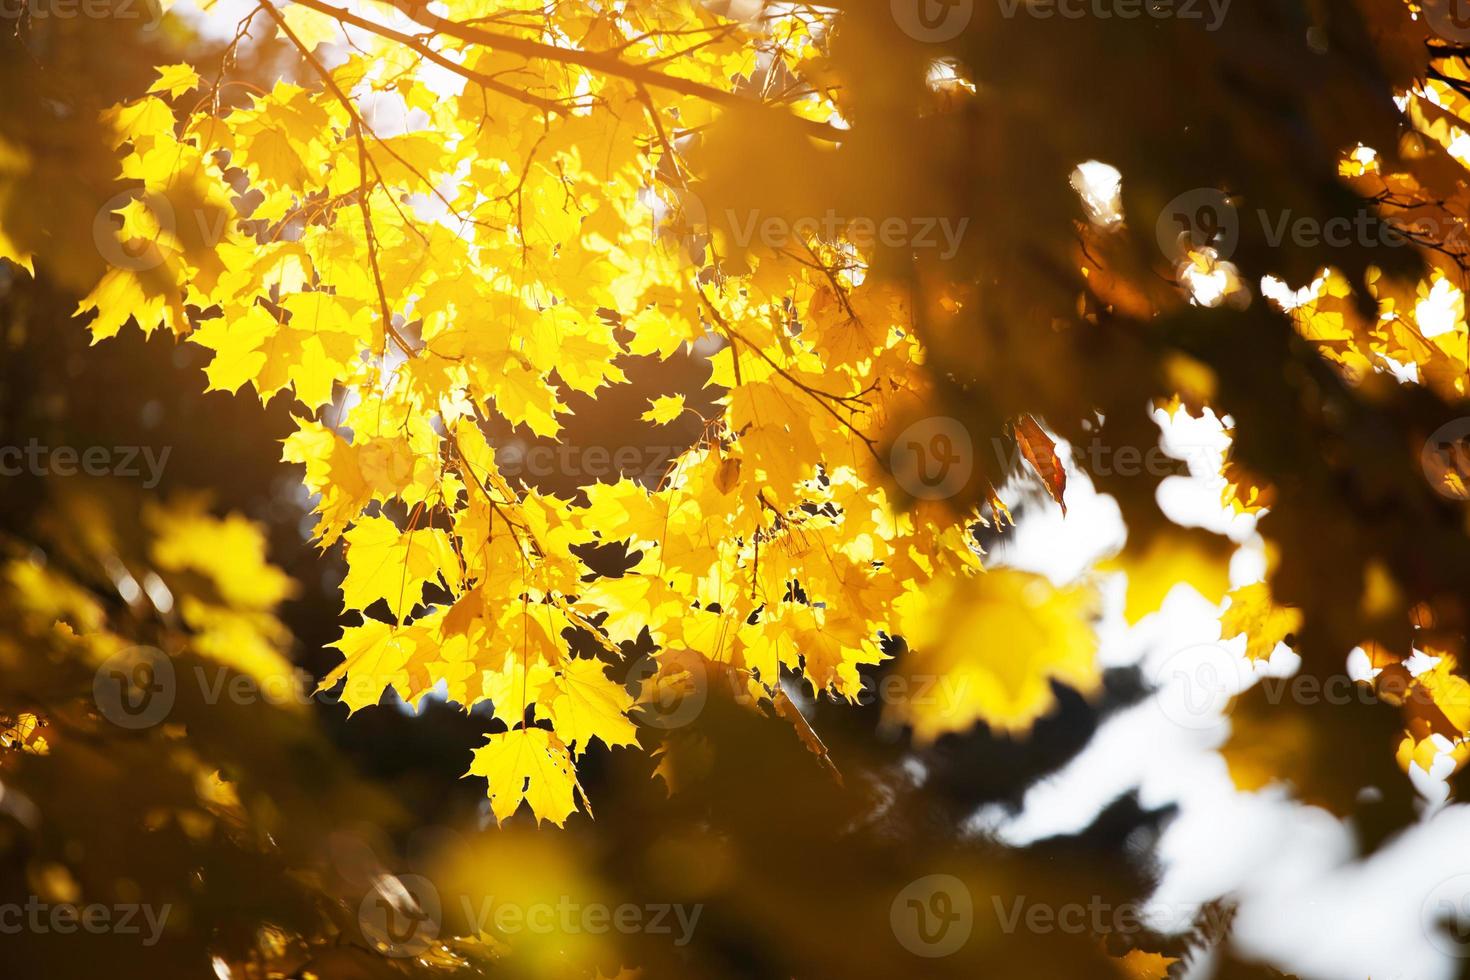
[1174, 557]
[1140, 965]
[994, 658]
[175, 80]
[312, 27]
[1252, 614]
[529, 765]
[1041, 453]
[376, 656]
[665, 408]
[394, 565]
[333, 473]
[586, 705]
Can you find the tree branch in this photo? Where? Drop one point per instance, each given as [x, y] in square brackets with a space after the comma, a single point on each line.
[597, 61]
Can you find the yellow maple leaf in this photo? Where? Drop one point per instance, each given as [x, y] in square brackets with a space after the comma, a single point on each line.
[987, 647]
[312, 27]
[665, 409]
[229, 551]
[584, 704]
[1175, 556]
[1263, 623]
[1137, 964]
[175, 80]
[334, 472]
[375, 657]
[393, 565]
[530, 765]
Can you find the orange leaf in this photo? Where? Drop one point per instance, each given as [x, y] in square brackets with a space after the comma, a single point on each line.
[1041, 453]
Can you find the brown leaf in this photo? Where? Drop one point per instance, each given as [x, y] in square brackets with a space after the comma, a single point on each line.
[1041, 453]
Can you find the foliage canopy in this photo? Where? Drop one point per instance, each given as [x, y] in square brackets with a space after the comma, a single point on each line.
[839, 262]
